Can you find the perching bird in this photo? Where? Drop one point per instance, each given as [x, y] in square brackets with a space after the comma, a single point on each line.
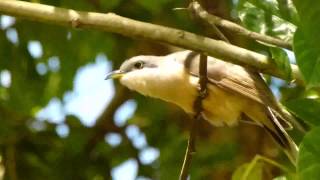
[233, 91]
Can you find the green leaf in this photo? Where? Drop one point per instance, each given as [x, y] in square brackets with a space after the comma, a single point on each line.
[306, 41]
[243, 172]
[260, 17]
[308, 57]
[308, 11]
[251, 16]
[282, 61]
[288, 11]
[268, 6]
[309, 156]
[306, 109]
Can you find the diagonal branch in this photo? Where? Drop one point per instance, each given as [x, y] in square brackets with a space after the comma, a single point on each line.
[195, 8]
[111, 22]
[233, 27]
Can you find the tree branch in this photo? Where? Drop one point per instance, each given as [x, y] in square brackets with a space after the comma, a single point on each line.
[111, 22]
[231, 26]
[195, 8]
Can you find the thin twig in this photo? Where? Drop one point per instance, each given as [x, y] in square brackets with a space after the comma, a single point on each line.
[111, 22]
[197, 10]
[218, 32]
[217, 21]
[197, 106]
[180, 8]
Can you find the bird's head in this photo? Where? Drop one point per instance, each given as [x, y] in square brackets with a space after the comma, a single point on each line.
[149, 75]
[137, 64]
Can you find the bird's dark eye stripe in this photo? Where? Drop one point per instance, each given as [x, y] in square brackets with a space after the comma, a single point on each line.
[152, 66]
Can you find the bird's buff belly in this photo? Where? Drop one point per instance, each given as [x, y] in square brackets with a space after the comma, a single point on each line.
[220, 107]
[223, 108]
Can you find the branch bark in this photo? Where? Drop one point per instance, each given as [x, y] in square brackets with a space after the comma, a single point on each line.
[111, 22]
[231, 26]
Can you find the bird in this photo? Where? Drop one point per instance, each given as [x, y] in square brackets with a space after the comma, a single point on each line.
[234, 92]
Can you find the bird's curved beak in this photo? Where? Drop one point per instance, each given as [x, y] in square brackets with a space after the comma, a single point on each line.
[114, 74]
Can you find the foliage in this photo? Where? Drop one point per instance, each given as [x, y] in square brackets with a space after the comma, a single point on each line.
[33, 149]
[305, 41]
[308, 167]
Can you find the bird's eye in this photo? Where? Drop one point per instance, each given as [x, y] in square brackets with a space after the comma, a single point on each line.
[139, 65]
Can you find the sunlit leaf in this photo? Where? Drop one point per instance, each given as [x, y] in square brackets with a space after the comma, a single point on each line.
[249, 171]
[309, 156]
[263, 18]
[306, 109]
[306, 41]
[282, 61]
[308, 57]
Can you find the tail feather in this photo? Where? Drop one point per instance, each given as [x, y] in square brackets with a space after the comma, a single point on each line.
[281, 137]
[285, 114]
[288, 119]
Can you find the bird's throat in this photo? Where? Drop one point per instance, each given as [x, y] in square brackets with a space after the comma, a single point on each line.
[170, 83]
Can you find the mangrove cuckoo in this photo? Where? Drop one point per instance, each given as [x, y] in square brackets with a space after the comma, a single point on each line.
[233, 92]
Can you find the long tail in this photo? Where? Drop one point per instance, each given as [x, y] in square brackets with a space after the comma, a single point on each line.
[281, 137]
[288, 119]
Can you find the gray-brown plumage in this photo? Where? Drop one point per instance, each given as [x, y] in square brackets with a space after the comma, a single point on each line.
[233, 91]
[239, 80]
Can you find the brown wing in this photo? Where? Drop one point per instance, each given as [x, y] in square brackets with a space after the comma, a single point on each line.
[239, 80]
[234, 78]
[244, 82]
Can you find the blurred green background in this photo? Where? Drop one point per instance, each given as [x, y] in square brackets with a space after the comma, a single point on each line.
[61, 120]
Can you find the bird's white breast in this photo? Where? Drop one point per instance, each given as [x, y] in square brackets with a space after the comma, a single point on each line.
[168, 82]
[171, 83]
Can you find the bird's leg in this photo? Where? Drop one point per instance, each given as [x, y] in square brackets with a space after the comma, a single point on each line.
[197, 106]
